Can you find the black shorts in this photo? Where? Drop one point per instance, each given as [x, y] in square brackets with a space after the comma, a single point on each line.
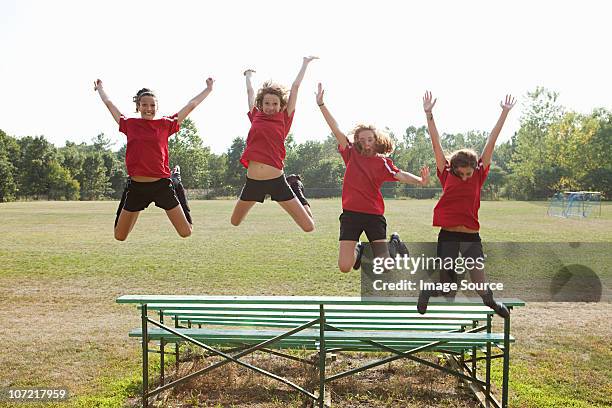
[137, 195]
[256, 190]
[352, 224]
[451, 243]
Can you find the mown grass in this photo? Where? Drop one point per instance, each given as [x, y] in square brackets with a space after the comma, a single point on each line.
[61, 270]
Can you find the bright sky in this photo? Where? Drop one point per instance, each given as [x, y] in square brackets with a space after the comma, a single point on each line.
[377, 59]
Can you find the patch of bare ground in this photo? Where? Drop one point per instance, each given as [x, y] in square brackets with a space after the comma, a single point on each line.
[71, 333]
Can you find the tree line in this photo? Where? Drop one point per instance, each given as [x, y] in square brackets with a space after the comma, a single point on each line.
[554, 149]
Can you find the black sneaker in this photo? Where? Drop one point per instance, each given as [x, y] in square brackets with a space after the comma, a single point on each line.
[498, 307]
[359, 250]
[122, 202]
[176, 175]
[424, 300]
[396, 246]
[179, 190]
[295, 182]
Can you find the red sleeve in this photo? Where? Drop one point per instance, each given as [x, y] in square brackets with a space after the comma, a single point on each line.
[483, 172]
[173, 125]
[123, 125]
[251, 114]
[346, 152]
[390, 170]
[444, 174]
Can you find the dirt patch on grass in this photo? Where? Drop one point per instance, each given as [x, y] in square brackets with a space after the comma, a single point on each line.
[69, 332]
[396, 384]
[540, 323]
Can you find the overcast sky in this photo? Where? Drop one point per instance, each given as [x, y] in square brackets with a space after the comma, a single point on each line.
[377, 59]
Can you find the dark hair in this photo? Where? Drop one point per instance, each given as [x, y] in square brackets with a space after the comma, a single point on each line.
[271, 88]
[140, 94]
[463, 158]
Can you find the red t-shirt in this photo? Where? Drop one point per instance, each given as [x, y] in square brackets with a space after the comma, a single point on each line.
[363, 178]
[147, 145]
[460, 199]
[266, 140]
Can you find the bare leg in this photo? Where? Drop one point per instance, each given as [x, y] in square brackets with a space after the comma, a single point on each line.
[347, 255]
[125, 223]
[308, 210]
[179, 221]
[298, 213]
[241, 209]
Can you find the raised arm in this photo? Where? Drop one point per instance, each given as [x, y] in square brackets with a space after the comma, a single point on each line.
[409, 178]
[433, 131]
[195, 101]
[331, 122]
[296, 84]
[98, 86]
[487, 153]
[250, 93]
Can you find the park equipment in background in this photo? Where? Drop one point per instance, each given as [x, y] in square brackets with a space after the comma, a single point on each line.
[575, 204]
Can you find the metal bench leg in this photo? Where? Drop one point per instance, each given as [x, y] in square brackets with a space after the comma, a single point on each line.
[145, 358]
[176, 347]
[162, 344]
[474, 349]
[488, 363]
[321, 357]
[506, 362]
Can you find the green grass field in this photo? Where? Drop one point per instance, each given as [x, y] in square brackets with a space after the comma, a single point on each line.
[61, 270]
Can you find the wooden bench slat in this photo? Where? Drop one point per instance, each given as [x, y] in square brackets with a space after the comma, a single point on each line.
[340, 326]
[332, 321]
[331, 310]
[309, 334]
[299, 300]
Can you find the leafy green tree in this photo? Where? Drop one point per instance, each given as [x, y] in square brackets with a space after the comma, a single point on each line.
[234, 174]
[61, 184]
[9, 152]
[93, 180]
[72, 156]
[216, 170]
[8, 186]
[530, 162]
[187, 150]
[579, 145]
[36, 157]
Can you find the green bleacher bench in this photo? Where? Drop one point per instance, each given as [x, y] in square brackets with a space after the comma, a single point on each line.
[233, 327]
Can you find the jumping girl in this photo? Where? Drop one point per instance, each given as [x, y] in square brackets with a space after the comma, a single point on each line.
[367, 168]
[146, 159]
[462, 176]
[271, 115]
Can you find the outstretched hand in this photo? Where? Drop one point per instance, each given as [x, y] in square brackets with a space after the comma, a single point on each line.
[424, 176]
[320, 93]
[248, 72]
[309, 59]
[427, 103]
[98, 84]
[209, 83]
[508, 103]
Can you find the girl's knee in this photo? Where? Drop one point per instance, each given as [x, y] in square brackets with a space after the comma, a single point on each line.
[185, 233]
[345, 266]
[120, 237]
[308, 227]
